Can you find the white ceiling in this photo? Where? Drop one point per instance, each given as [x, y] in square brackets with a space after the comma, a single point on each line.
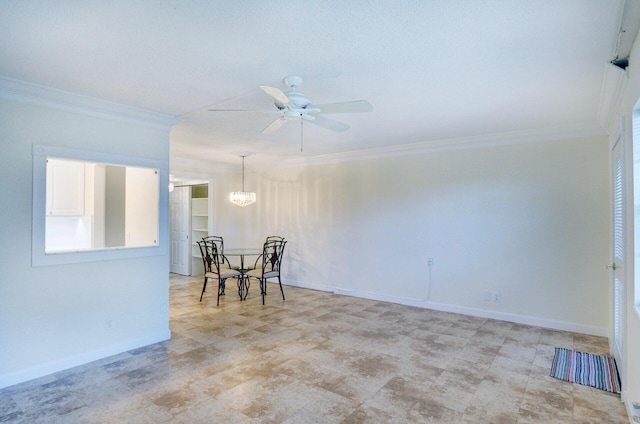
[433, 70]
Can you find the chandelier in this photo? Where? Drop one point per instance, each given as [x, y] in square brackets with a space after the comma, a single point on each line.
[242, 198]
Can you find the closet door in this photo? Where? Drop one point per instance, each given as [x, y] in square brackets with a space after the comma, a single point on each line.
[180, 229]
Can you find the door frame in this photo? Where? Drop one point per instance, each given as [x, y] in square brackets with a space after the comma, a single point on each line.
[619, 266]
[191, 179]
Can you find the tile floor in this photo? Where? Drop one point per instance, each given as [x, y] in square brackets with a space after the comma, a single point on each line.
[320, 358]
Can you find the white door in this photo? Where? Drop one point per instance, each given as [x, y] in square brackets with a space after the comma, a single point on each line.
[618, 295]
[180, 226]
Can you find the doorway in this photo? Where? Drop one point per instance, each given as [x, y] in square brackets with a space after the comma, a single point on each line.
[190, 220]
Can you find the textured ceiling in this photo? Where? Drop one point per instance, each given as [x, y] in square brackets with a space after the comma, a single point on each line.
[433, 70]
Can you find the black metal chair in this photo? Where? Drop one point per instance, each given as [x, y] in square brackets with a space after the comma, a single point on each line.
[249, 267]
[269, 266]
[211, 260]
[219, 241]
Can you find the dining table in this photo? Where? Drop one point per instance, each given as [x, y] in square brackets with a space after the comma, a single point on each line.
[243, 286]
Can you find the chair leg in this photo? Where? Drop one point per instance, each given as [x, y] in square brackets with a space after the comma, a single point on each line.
[220, 290]
[204, 287]
[280, 282]
[263, 288]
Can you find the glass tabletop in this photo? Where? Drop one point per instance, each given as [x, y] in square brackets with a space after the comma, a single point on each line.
[242, 251]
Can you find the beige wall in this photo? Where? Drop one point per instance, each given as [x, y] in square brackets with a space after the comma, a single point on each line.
[55, 317]
[529, 222]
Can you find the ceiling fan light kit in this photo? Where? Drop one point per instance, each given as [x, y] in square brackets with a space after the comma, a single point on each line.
[242, 198]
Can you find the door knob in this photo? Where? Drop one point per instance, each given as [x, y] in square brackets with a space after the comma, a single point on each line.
[611, 266]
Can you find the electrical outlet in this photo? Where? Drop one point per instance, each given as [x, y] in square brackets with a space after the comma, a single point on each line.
[497, 297]
[487, 296]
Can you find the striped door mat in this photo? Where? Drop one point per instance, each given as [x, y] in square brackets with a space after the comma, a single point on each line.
[597, 371]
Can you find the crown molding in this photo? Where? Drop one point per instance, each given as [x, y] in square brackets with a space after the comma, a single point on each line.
[567, 132]
[182, 166]
[26, 92]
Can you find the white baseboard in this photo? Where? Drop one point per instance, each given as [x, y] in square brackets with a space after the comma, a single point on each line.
[21, 376]
[66, 363]
[458, 309]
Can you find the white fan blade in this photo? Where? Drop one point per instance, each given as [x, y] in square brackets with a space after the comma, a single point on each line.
[329, 124]
[346, 107]
[246, 110]
[276, 93]
[274, 125]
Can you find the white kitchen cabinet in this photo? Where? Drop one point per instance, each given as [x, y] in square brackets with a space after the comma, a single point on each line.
[65, 187]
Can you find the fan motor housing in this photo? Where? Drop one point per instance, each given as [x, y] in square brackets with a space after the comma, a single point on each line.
[298, 99]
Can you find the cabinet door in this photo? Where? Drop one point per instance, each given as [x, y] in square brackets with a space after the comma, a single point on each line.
[65, 187]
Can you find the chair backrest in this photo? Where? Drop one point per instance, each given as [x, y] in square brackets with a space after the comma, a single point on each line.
[274, 238]
[272, 252]
[218, 240]
[211, 258]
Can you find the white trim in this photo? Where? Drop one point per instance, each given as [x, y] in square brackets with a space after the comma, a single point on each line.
[628, 403]
[614, 83]
[483, 313]
[568, 132]
[41, 95]
[38, 255]
[51, 367]
[490, 140]
[198, 168]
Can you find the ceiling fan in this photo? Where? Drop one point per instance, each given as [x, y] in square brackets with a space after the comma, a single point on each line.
[292, 104]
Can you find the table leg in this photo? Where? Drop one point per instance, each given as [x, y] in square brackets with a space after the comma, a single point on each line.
[246, 287]
[241, 284]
